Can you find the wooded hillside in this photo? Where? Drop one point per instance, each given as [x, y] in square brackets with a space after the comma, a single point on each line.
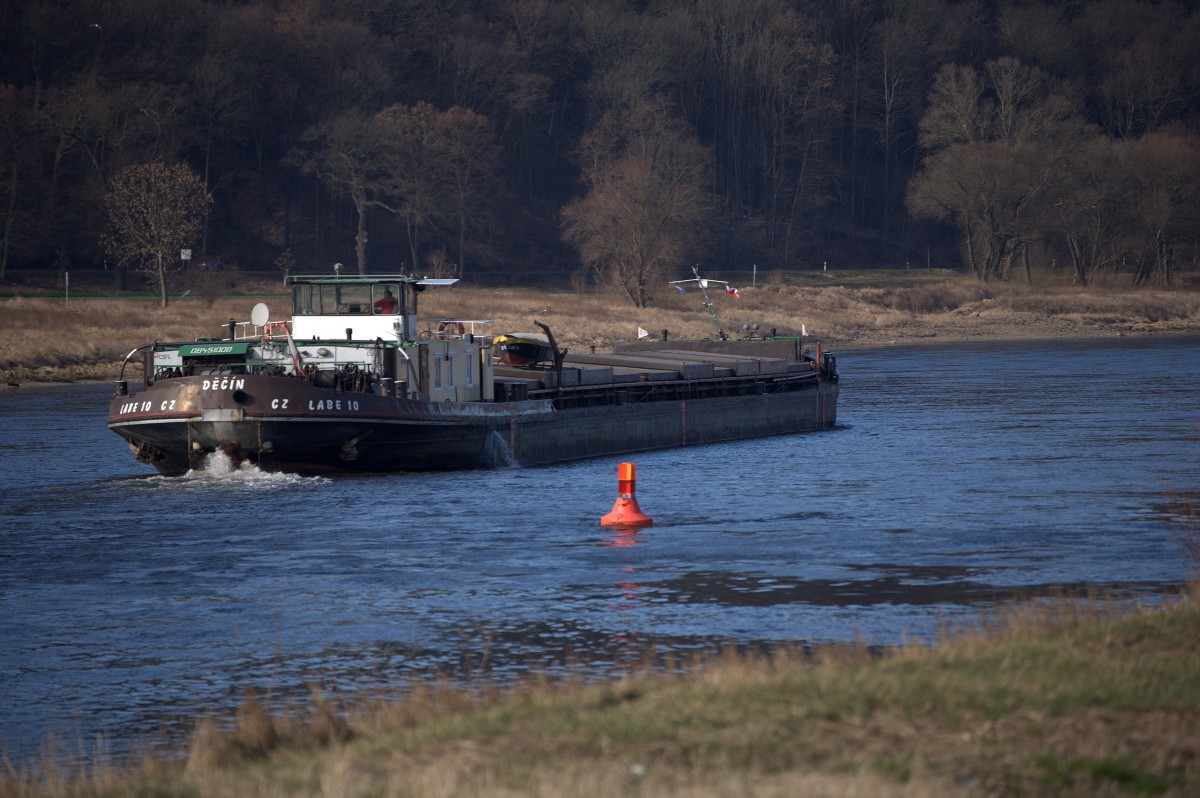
[612, 139]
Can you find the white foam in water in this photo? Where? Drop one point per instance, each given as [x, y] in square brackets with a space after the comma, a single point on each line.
[218, 468]
[218, 465]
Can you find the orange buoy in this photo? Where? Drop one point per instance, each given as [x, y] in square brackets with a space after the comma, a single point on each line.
[625, 511]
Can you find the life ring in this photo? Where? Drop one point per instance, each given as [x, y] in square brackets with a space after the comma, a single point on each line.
[280, 329]
[447, 329]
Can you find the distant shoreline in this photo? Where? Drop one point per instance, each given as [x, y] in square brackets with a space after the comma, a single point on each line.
[48, 342]
[831, 346]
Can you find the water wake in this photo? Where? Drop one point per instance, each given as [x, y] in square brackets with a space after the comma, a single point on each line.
[219, 470]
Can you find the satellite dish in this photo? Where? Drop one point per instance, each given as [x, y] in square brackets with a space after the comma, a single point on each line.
[260, 315]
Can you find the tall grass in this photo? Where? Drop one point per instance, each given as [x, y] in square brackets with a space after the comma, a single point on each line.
[53, 341]
[1109, 307]
[1183, 513]
[1078, 696]
[49, 340]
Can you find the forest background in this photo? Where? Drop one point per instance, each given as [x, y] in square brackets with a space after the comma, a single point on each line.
[612, 142]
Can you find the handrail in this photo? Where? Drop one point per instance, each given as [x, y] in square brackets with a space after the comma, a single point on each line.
[121, 375]
[248, 330]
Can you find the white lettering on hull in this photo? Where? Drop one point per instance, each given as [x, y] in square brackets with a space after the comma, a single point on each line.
[333, 404]
[277, 403]
[165, 406]
[223, 384]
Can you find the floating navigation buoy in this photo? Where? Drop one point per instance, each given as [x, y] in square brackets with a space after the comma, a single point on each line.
[625, 511]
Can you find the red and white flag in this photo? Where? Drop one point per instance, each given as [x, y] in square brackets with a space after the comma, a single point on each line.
[729, 289]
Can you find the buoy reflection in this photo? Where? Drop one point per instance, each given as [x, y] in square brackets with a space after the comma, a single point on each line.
[625, 537]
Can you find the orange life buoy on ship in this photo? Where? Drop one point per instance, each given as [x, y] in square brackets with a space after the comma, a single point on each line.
[446, 329]
[275, 328]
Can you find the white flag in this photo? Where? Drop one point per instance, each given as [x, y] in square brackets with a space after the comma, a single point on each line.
[642, 333]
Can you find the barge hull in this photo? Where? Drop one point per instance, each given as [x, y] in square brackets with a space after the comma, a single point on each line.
[284, 424]
[614, 430]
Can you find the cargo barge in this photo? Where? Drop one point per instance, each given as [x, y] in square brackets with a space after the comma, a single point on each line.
[353, 383]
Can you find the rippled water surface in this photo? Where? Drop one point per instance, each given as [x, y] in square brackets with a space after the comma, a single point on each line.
[958, 476]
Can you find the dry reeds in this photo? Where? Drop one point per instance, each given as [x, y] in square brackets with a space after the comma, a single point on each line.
[257, 732]
[1075, 695]
[1098, 306]
[53, 341]
[44, 340]
[1183, 514]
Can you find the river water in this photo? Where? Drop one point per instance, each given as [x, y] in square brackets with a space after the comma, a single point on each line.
[958, 476]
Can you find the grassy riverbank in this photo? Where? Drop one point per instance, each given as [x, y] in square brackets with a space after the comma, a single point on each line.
[45, 339]
[1066, 699]
[1077, 698]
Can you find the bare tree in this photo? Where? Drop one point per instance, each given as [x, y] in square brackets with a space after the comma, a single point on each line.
[960, 185]
[647, 203]
[222, 107]
[958, 109]
[997, 145]
[155, 209]
[1094, 206]
[15, 143]
[344, 64]
[437, 172]
[93, 130]
[346, 151]
[1165, 211]
[410, 163]
[1042, 34]
[1144, 57]
[469, 160]
[630, 59]
[760, 89]
[908, 40]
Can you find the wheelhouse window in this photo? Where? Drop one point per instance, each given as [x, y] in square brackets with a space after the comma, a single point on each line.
[386, 299]
[306, 300]
[344, 300]
[352, 300]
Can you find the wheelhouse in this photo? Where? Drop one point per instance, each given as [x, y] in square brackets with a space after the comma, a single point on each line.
[357, 308]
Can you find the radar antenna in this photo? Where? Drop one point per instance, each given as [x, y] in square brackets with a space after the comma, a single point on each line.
[704, 283]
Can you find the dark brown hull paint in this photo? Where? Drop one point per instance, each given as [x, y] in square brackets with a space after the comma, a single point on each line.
[286, 424]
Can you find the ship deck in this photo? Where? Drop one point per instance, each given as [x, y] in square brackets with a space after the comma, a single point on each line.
[663, 374]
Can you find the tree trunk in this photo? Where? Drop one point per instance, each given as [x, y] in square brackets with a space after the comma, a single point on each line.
[1077, 260]
[462, 238]
[411, 229]
[162, 277]
[972, 258]
[10, 214]
[1166, 262]
[360, 239]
